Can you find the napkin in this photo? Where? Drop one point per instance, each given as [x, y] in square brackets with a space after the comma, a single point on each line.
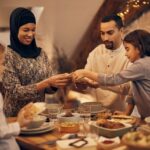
[88, 144]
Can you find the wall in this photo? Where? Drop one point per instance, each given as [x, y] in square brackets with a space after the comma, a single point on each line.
[63, 22]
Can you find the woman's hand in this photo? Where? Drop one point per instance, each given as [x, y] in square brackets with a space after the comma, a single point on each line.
[23, 118]
[78, 74]
[59, 80]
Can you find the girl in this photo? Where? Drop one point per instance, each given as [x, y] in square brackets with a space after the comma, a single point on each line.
[137, 45]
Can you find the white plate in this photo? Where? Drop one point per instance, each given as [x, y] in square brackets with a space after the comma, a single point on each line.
[38, 132]
[45, 126]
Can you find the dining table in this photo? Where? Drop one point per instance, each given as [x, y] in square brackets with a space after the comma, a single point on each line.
[45, 141]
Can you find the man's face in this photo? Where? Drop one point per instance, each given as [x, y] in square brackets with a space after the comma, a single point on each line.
[111, 35]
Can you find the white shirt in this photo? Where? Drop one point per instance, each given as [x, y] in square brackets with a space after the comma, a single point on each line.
[102, 60]
[7, 131]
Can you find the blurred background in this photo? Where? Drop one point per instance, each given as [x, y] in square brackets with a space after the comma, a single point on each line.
[68, 29]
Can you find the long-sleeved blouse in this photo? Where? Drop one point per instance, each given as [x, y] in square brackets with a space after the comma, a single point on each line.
[19, 80]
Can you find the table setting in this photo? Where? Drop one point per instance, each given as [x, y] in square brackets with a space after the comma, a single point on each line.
[56, 128]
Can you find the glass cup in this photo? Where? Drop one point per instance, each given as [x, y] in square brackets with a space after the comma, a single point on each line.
[85, 113]
[53, 111]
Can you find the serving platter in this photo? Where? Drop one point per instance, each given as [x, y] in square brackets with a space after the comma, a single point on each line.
[110, 133]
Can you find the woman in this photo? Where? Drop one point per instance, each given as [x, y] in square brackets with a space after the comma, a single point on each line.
[28, 73]
[7, 131]
[137, 45]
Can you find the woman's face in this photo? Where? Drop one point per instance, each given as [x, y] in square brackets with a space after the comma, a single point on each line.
[26, 33]
[132, 52]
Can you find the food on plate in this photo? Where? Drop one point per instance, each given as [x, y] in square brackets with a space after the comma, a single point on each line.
[104, 115]
[137, 140]
[108, 143]
[69, 127]
[109, 124]
[124, 119]
[68, 114]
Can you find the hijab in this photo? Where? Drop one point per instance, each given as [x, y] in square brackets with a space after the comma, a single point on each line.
[19, 17]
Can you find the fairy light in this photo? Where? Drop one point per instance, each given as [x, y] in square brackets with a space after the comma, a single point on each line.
[132, 4]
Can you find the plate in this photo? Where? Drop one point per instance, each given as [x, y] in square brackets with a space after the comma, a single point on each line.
[124, 119]
[43, 127]
[110, 133]
[46, 128]
[96, 107]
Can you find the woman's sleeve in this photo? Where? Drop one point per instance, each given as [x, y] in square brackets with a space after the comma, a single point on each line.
[12, 84]
[9, 130]
[51, 71]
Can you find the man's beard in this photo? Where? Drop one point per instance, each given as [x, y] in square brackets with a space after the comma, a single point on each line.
[109, 44]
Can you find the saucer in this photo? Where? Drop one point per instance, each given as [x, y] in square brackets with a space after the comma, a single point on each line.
[44, 126]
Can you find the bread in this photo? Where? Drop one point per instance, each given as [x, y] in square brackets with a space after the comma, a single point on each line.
[34, 109]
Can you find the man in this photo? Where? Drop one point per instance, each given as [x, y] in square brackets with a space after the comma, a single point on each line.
[109, 58]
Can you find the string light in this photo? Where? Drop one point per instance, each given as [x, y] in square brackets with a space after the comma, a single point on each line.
[132, 4]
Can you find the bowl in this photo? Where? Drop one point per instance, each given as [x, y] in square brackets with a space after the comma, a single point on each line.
[108, 143]
[36, 122]
[136, 141]
[70, 123]
[95, 107]
[110, 133]
[147, 120]
[75, 117]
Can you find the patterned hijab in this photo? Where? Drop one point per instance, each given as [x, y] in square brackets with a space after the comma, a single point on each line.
[19, 17]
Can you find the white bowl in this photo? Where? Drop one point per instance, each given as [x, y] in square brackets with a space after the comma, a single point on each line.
[75, 118]
[36, 122]
[147, 120]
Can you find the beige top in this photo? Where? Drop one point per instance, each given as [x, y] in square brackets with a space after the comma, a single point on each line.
[19, 80]
[102, 60]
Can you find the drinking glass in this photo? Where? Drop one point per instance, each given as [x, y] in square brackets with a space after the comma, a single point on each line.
[53, 111]
[85, 113]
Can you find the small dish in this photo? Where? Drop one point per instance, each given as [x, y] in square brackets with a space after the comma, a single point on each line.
[108, 143]
[74, 118]
[147, 120]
